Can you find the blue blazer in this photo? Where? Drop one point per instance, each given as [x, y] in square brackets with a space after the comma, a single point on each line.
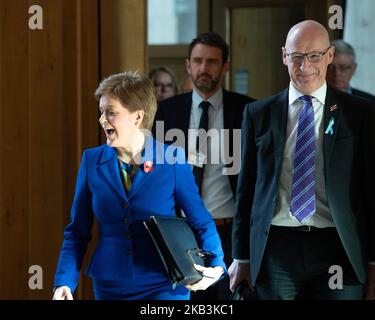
[125, 250]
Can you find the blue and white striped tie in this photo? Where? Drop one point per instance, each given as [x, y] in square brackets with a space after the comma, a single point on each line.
[302, 204]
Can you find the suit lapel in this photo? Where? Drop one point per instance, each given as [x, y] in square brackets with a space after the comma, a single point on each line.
[332, 112]
[279, 116]
[149, 154]
[108, 164]
[186, 111]
[140, 178]
[228, 114]
[229, 119]
[183, 117]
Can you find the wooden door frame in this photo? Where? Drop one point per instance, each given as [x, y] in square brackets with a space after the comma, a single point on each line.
[221, 11]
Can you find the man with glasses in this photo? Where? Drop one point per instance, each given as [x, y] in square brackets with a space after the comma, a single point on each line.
[342, 69]
[305, 215]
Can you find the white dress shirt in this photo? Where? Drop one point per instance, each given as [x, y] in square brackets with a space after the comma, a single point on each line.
[217, 194]
[322, 217]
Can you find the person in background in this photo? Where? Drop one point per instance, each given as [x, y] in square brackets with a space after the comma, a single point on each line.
[121, 184]
[164, 81]
[305, 215]
[186, 84]
[209, 107]
[342, 69]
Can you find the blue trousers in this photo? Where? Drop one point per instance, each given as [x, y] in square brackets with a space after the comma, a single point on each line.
[138, 289]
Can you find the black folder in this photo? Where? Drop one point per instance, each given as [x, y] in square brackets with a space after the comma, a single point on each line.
[243, 292]
[177, 247]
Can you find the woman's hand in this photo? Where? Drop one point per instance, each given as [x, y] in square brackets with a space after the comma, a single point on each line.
[62, 293]
[210, 276]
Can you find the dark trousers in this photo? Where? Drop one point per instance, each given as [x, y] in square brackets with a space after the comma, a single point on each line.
[296, 265]
[220, 290]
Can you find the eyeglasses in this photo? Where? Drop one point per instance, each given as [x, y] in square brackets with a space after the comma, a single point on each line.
[313, 57]
[340, 67]
[164, 86]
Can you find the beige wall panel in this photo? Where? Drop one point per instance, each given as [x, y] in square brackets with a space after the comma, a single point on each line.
[257, 35]
[123, 36]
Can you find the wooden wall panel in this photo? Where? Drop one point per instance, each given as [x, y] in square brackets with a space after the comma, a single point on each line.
[248, 52]
[87, 114]
[257, 35]
[14, 151]
[46, 149]
[48, 115]
[124, 36]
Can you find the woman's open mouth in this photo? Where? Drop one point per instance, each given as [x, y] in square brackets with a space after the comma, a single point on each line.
[109, 132]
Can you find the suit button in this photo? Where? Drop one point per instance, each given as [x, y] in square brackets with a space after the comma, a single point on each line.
[129, 251]
[126, 220]
[125, 205]
[128, 236]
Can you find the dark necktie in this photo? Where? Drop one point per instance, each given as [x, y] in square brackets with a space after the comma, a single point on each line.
[302, 204]
[203, 124]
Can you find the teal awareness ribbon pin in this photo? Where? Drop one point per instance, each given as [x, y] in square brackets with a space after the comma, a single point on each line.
[329, 129]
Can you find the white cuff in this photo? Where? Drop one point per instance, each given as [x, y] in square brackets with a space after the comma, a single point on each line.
[242, 260]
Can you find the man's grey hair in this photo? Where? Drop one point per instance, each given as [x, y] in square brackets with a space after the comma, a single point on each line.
[342, 47]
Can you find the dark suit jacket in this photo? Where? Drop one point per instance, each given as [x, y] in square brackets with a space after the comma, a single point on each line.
[363, 94]
[175, 112]
[349, 176]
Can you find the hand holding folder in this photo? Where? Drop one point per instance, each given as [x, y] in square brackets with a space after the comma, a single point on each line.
[184, 261]
[210, 276]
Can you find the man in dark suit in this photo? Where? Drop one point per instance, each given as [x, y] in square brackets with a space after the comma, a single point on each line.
[305, 215]
[215, 160]
[342, 69]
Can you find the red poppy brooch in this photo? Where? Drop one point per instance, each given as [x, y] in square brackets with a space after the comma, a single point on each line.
[148, 167]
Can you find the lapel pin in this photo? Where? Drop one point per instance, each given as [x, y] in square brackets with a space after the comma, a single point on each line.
[333, 108]
[329, 129]
[148, 167]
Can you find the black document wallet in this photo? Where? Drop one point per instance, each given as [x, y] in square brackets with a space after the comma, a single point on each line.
[177, 247]
[243, 292]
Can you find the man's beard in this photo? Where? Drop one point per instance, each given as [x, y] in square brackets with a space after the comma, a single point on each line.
[206, 86]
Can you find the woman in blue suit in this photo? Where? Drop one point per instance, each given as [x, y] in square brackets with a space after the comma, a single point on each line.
[122, 184]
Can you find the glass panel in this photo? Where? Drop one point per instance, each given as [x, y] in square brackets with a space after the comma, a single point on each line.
[359, 32]
[171, 21]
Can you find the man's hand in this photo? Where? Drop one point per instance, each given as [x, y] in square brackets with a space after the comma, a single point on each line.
[237, 272]
[62, 293]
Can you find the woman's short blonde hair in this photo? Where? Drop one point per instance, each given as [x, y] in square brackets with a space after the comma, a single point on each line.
[134, 91]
